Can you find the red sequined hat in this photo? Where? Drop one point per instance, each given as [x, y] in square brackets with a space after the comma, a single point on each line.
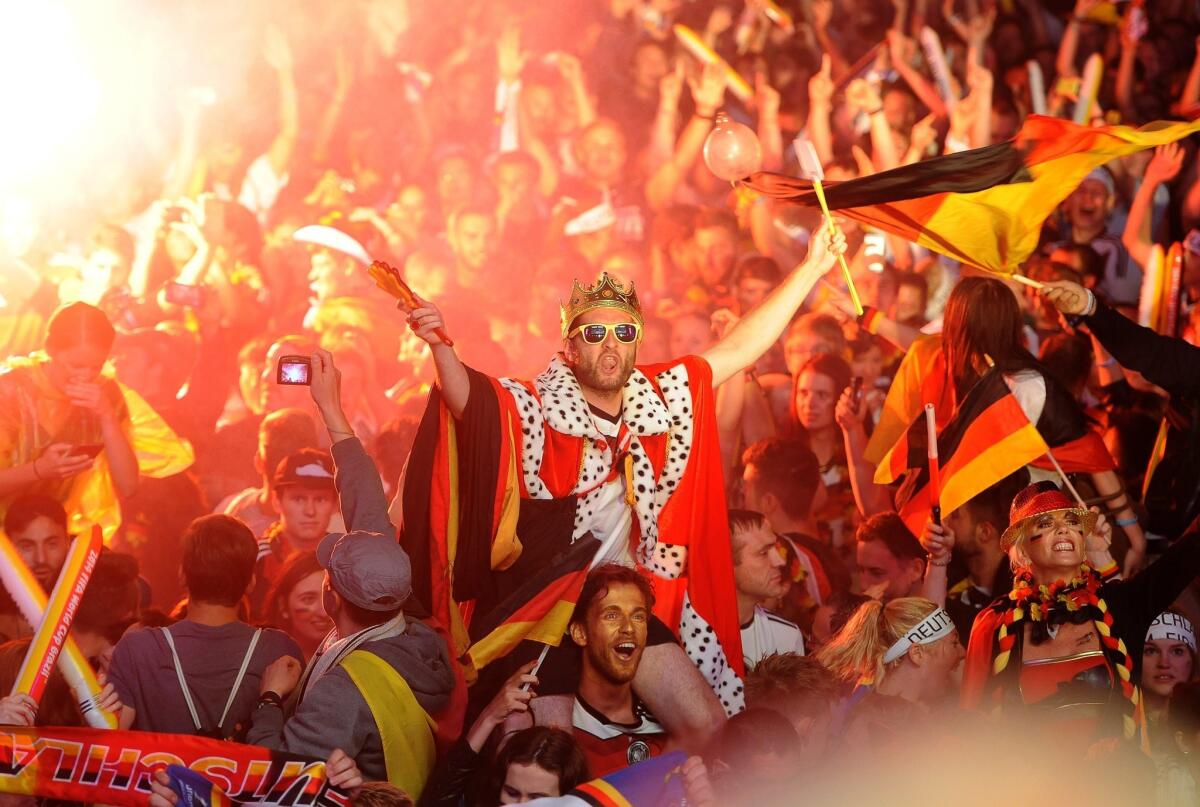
[1038, 500]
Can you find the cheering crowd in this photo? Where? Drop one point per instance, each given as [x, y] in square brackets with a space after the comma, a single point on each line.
[648, 465]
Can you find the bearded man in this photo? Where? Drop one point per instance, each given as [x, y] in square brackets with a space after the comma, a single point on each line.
[515, 488]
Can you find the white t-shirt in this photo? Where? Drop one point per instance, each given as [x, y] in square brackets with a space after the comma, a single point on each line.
[767, 633]
[612, 517]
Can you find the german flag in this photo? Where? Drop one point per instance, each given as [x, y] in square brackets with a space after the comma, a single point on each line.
[988, 438]
[983, 207]
[539, 610]
[922, 378]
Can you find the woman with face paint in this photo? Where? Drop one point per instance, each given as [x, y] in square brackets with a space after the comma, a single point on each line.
[1066, 644]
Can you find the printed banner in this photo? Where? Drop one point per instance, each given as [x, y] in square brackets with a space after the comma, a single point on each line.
[96, 766]
[27, 593]
[64, 601]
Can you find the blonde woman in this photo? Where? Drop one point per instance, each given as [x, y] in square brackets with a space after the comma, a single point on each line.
[1067, 641]
[901, 655]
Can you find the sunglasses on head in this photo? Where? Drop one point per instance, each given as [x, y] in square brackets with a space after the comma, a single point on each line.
[594, 334]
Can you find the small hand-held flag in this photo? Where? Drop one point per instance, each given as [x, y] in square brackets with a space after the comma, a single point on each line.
[388, 278]
[810, 166]
[935, 476]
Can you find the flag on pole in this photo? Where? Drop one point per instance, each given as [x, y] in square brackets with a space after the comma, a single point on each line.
[984, 207]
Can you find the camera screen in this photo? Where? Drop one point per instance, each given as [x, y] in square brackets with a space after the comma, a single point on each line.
[293, 373]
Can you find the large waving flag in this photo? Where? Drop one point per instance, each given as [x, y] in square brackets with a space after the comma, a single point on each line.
[984, 207]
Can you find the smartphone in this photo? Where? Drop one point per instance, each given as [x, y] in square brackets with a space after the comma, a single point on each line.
[89, 450]
[184, 294]
[294, 370]
[856, 392]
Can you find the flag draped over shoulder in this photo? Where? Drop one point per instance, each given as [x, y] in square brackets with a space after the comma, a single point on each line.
[983, 207]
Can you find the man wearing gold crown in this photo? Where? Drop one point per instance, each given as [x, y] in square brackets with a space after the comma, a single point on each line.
[515, 488]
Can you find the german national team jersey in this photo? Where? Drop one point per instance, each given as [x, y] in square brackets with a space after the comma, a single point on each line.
[612, 746]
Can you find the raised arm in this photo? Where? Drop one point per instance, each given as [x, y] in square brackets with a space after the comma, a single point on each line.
[901, 48]
[1163, 167]
[363, 503]
[1166, 361]
[760, 328]
[820, 107]
[451, 372]
[707, 93]
[279, 55]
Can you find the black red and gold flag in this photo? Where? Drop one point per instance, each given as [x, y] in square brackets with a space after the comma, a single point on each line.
[984, 207]
[988, 438]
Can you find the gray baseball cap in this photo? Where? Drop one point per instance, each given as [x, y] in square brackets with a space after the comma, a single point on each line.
[367, 568]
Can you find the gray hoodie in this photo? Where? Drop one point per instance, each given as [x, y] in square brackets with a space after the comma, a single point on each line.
[333, 713]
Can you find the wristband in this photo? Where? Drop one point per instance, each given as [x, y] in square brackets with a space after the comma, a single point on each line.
[1126, 522]
[704, 117]
[1108, 570]
[1090, 308]
[929, 559]
[875, 111]
[869, 318]
[270, 698]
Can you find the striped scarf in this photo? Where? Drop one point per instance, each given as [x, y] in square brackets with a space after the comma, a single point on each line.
[1075, 601]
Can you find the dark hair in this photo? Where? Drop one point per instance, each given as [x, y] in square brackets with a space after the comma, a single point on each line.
[219, 555]
[790, 683]
[743, 521]
[110, 602]
[827, 364]
[392, 446]
[982, 319]
[27, 508]
[78, 324]
[1183, 709]
[1068, 357]
[754, 733]
[551, 749]
[991, 505]
[297, 567]
[757, 267]
[787, 468]
[891, 530]
[600, 579]
[284, 432]
[1090, 263]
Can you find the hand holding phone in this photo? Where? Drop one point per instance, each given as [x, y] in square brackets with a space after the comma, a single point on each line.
[89, 450]
[856, 391]
[294, 371]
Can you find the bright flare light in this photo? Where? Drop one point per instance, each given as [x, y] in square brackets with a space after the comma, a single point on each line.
[47, 93]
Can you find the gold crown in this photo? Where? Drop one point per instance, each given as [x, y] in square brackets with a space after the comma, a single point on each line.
[606, 293]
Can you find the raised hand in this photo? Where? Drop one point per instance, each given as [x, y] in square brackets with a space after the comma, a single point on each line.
[276, 50]
[708, 91]
[281, 676]
[18, 710]
[824, 248]
[821, 86]
[424, 320]
[937, 540]
[1165, 164]
[670, 88]
[510, 59]
[766, 97]
[1067, 297]
[58, 462]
